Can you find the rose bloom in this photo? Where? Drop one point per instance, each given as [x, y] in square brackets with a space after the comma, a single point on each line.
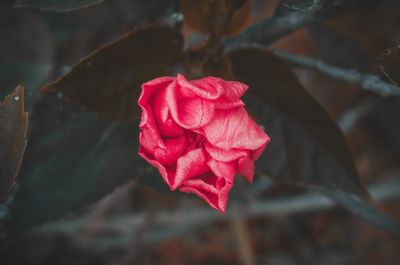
[199, 135]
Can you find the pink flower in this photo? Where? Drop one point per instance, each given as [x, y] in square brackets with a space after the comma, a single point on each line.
[199, 135]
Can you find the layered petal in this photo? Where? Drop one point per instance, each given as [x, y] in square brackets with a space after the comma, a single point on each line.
[206, 88]
[149, 137]
[206, 188]
[226, 170]
[166, 124]
[190, 113]
[150, 90]
[171, 151]
[246, 168]
[234, 128]
[190, 165]
[234, 90]
[224, 155]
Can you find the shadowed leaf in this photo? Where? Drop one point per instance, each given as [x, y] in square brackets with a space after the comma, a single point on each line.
[390, 64]
[26, 51]
[73, 159]
[218, 66]
[208, 16]
[108, 81]
[13, 126]
[57, 5]
[306, 146]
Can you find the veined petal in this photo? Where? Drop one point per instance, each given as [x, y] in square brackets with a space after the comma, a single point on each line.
[234, 128]
[246, 168]
[224, 155]
[149, 136]
[226, 170]
[207, 88]
[172, 150]
[189, 113]
[150, 88]
[234, 90]
[206, 188]
[166, 125]
[190, 165]
[224, 103]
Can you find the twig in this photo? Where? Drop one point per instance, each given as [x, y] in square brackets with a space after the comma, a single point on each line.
[349, 119]
[269, 30]
[182, 220]
[244, 247]
[367, 81]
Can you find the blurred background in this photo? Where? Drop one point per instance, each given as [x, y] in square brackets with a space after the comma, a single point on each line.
[141, 222]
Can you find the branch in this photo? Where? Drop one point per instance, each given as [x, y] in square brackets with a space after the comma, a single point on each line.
[279, 25]
[367, 81]
[269, 30]
[172, 223]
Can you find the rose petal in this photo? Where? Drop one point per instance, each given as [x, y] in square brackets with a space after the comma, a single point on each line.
[205, 188]
[166, 173]
[234, 128]
[149, 90]
[234, 90]
[149, 136]
[166, 125]
[172, 150]
[190, 165]
[189, 113]
[207, 88]
[246, 168]
[224, 103]
[226, 170]
[224, 155]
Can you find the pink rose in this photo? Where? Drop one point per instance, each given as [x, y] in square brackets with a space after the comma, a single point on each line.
[199, 135]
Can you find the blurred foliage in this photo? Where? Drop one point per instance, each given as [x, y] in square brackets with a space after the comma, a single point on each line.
[108, 81]
[79, 149]
[307, 148]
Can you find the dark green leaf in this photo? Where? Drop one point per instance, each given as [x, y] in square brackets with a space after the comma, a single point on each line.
[13, 125]
[306, 145]
[26, 51]
[108, 81]
[57, 5]
[72, 160]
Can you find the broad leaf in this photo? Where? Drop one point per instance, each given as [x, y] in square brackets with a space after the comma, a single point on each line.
[108, 81]
[72, 160]
[13, 125]
[57, 5]
[208, 16]
[306, 146]
[26, 51]
[390, 64]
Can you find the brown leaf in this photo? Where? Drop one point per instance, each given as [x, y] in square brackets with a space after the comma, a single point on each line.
[306, 146]
[218, 66]
[107, 81]
[390, 64]
[208, 16]
[13, 126]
